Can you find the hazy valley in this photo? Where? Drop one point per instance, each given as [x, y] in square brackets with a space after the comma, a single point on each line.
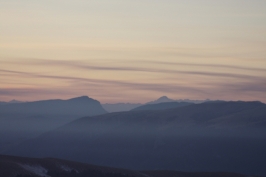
[214, 136]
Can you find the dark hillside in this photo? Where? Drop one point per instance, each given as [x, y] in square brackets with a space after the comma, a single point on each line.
[11, 166]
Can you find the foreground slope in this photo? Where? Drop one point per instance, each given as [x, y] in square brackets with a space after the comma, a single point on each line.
[21, 121]
[213, 136]
[11, 166]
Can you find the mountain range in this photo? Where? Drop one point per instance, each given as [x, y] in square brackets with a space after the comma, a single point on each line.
[10, 102]
[81, 106]
[211, 136]
[21, 121]
[120, 107]
[165, 99]
[161, 106]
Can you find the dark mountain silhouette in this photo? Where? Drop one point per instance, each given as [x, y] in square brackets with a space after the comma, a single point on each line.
[161, 106]
[21, 121]
[11, 166]
[212, 136]
[15, 101]
[84, 106]
[194, 101]
[162, 99]
[165, 99]
[10, 102]
[2, 103]
[120, 107]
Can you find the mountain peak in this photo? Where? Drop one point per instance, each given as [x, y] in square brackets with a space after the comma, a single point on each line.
[14, 101]
[162, 99]
[80, 98]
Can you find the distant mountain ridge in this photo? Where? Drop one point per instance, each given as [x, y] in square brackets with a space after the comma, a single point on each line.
[165, 99]
[2, 103]
[161, 106]
[10, 102]
[162, 99]
[211, 136]
[119, 107]
[81, 105]
[20, 121]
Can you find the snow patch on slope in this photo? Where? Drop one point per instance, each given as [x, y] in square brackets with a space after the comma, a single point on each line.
[68, 169]
[36, 169]
[65, 168]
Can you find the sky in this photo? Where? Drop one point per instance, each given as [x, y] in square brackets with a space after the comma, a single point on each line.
[133, 51]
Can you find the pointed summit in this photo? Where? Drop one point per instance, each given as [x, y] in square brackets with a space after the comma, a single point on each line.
[79, 98]
[82, 99]
[15, 101]
[162, 99]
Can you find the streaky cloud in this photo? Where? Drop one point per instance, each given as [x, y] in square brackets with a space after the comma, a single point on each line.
[85, 66]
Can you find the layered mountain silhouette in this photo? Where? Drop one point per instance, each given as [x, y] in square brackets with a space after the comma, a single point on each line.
[10, 102]
[120, 107]
[11, 166]
[165, 99]
[212, 136]
[161, 106]
[21, 121]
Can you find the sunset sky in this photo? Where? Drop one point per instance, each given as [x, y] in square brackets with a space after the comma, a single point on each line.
[133, 50]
